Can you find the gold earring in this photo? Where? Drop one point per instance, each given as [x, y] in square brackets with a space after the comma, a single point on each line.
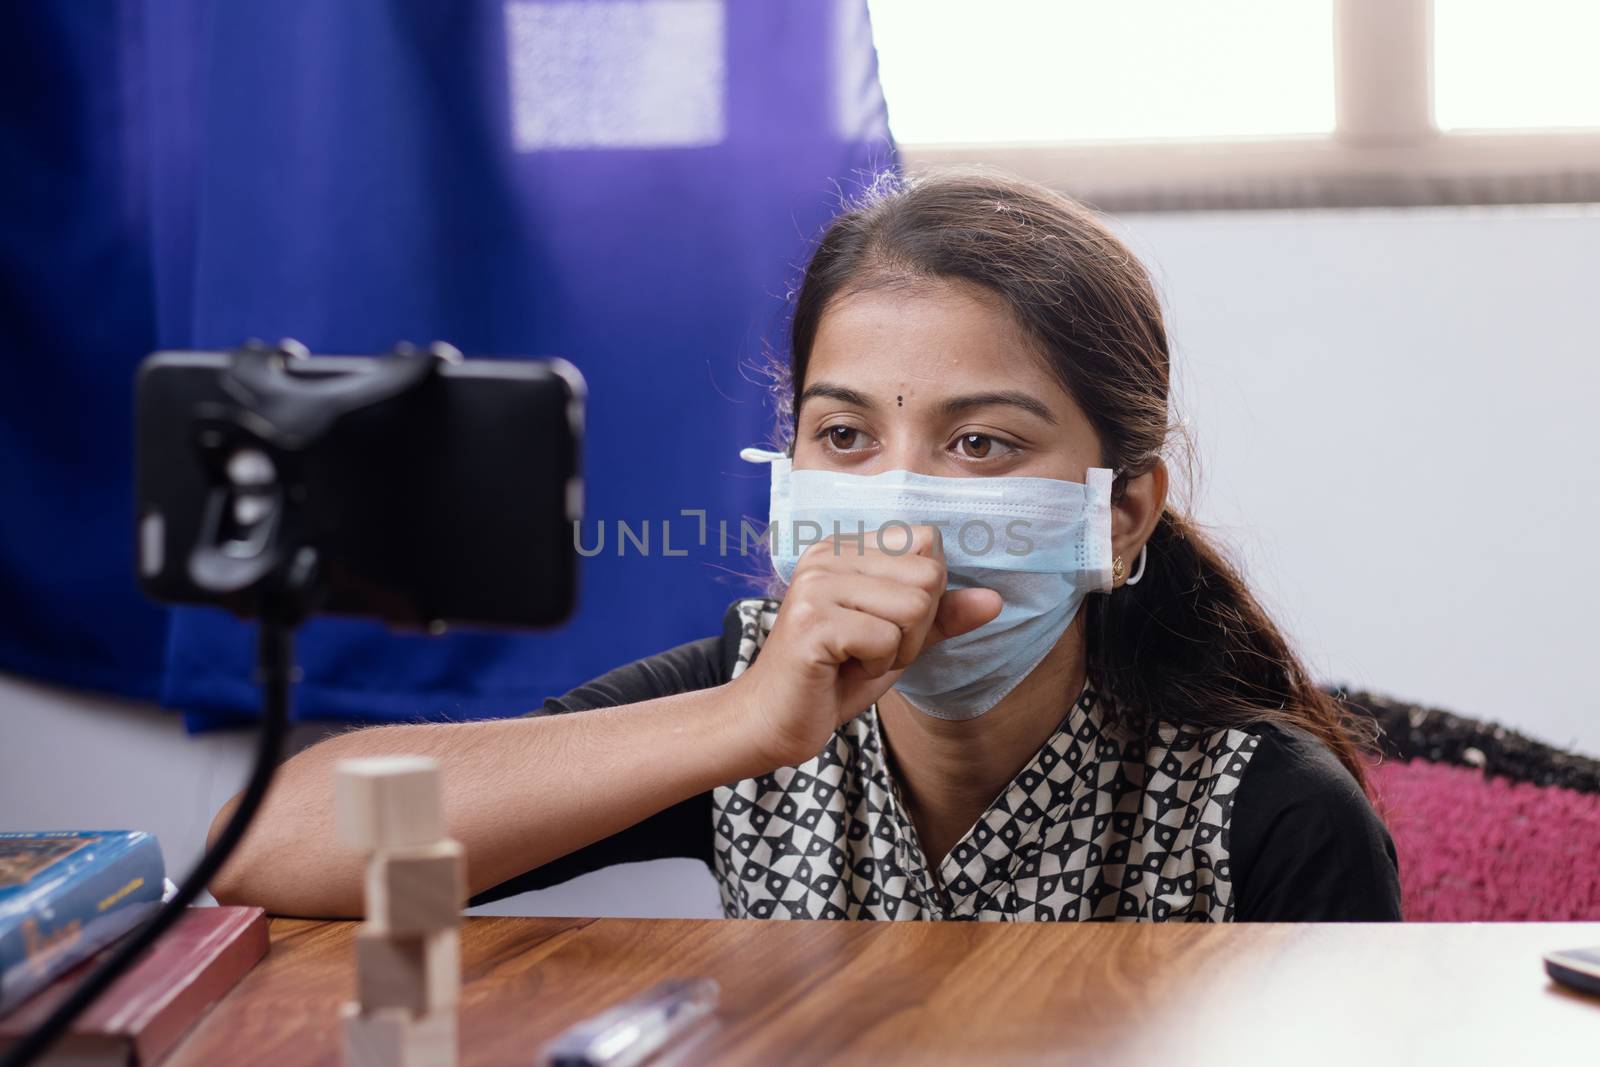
[1119, 571]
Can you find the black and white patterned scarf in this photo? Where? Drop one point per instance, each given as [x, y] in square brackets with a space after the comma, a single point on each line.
[1092, 828]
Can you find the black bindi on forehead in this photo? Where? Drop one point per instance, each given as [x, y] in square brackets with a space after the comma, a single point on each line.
[899, 401]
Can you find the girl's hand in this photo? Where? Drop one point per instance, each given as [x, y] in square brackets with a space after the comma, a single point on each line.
[855, 616]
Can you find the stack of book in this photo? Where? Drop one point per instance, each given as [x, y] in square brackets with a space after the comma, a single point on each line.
[66, 898]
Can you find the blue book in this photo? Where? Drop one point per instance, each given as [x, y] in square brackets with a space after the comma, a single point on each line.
[64, 895]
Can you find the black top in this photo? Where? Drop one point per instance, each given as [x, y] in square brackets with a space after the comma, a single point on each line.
[1305, 843]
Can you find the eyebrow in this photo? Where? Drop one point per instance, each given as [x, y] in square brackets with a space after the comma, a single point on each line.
[958, 405]
[835, 392]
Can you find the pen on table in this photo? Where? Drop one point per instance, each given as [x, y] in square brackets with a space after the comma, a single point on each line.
[629, 1032]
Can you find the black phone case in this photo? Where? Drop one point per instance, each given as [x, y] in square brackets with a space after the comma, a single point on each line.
[451, 504]
[1585, 980]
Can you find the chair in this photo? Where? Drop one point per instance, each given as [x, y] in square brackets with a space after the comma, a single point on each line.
[1489, 825]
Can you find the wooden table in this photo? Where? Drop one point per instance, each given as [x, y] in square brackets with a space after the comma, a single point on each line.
[923, 993]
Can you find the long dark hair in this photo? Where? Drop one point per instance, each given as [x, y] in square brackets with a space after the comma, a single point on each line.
[1188, 645]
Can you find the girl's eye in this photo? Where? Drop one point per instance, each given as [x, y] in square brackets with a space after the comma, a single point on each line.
[976, 445]
[844, 438]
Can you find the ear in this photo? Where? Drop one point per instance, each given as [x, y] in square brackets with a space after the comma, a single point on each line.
[1134, 515]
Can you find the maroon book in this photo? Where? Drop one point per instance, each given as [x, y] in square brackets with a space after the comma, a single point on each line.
[144, 1014]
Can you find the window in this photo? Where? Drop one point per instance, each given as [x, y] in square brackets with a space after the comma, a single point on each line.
[1515, 66]
[1022, 70]
[1169, 104]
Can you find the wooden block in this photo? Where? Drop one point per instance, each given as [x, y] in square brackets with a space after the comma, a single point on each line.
[417, 890]
[393, 1037]
[420, 973]
[388, 802]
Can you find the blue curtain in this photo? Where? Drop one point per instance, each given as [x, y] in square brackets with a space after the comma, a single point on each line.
[630, 184]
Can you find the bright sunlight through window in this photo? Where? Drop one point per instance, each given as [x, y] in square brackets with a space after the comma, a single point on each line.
[1500, 65]
[1071, 70]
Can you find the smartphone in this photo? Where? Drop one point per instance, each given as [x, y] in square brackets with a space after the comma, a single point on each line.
[1575, 967]
[452, 504]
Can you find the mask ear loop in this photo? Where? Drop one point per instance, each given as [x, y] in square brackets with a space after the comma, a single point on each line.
[1144, 550]
[1138, 569]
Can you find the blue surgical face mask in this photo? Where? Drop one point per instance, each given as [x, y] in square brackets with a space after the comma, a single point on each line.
[1043, 544]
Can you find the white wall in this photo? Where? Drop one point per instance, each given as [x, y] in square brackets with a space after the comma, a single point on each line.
[1394, 418]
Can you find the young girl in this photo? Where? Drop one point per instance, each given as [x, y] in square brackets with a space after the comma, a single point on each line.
[1007, 681]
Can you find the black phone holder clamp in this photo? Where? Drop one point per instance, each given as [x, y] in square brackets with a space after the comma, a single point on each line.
[252, 552]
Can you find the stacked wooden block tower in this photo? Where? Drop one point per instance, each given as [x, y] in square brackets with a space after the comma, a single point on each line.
[408, 952]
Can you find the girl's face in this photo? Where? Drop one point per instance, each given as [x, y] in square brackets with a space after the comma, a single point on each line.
[935, 377]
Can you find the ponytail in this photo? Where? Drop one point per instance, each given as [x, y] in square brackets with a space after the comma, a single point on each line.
[1190, 645]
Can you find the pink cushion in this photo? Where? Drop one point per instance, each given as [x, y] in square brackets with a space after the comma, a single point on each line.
[1474, 848]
